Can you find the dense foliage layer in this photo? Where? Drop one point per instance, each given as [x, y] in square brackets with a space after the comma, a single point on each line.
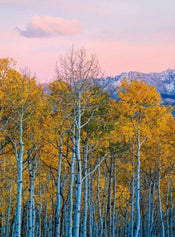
[74, 162]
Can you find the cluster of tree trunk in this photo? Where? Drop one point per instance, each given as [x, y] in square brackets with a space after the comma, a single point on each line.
[74, 162]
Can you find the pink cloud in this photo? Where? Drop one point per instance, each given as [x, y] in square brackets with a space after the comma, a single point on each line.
[49, 26]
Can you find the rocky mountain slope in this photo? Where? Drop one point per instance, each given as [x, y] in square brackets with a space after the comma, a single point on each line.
[164, 82]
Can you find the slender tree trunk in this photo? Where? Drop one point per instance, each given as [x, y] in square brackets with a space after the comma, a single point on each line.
[95, 233]
[31, 216]
[167, 210]
[2, 224]
[133, 190]
[45, 219]
[149, 209]
[40, 207]
[58, 193]
[106, 207]
[171, 215]
[79, 181]
[99, 205]
[109, 201]
[152, 209]
[8, 212]
[66, 221]
[13, 229]
[85, 190]
[31, 205]
[33, 209]
[19, 179]
[126, 217]
[91, 223]
[27, 219]
[138, 218]
[19, 199]
[132, 201]
[160, 202]
[114, 201]
[72, 182]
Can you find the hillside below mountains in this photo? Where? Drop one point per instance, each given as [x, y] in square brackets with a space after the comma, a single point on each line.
[164, 82]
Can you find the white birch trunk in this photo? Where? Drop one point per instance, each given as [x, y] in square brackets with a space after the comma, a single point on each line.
[19, 177]
[58, 193]
[114, 204]
[66, 221]
[2, 224]
[79, 181]
[160, 202]
[40, 208]
[72, 182]
[149, 209]
[133, 191]
[45, 219]
[94, 219]
[109, 202]
[99, 205]
[171, 215]
[85, 190]
[138, 218]
[31, 205]
[126, 217]
[167, 210]
[106, 207]
[152, 209]
[13, 229]
[8, 212]
[90, 207]
[132, 201]
[33, 210]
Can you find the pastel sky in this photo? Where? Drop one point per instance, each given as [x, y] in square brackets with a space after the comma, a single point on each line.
[125, 35]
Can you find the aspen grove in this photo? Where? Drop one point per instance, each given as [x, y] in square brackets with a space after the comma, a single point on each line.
[75, 162]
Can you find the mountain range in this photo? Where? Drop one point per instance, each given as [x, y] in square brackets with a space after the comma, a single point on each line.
[163, 81]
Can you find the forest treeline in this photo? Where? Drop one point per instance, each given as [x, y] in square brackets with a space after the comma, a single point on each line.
[75, 162]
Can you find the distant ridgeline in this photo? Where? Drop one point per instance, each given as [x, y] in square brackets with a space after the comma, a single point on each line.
[164, 82]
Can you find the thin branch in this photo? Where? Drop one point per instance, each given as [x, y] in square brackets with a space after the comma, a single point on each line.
[104, 158]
